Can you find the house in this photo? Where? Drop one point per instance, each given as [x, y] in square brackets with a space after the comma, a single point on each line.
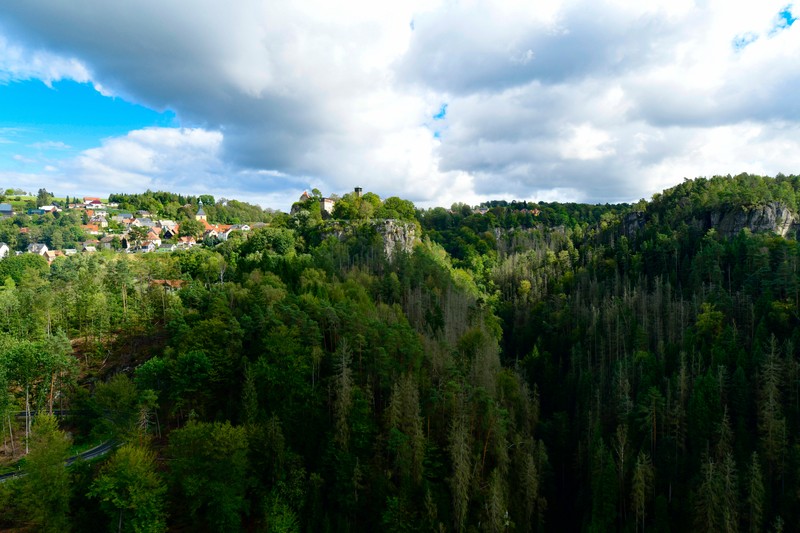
[37, 248]
[88, 249]
[51, 255]
[91, 229]
[305, 196]
[167, 224]
[4, 250]
[36, 211]
[153, 237]
[146, 247]
[70, 251]
[6, 210]
[225, 231]
[107, 242]
[91, 201]
[143, 221]
[169, 233]
[186, 242]
[122, 217]
[326, 205]
[169, 285]
[99, 221]
[50, 208]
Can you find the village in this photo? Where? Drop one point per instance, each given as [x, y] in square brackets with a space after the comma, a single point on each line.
[109, 228]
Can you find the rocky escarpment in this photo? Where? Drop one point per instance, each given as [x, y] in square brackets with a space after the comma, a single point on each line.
[773, 216]
[633, 222]
[397, 236]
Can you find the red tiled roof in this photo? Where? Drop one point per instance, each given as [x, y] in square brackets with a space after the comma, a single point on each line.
[173, 283]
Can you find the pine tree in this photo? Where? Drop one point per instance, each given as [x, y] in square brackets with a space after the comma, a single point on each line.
[344, 400]
[461, 457]
[47, 483]
[642, 485]
[755, 495]
[771, 423]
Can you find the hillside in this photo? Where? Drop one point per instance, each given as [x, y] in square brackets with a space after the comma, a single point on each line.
[526, 366]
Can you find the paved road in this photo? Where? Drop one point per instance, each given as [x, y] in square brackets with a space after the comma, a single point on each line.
[93, 453]
[56, 412]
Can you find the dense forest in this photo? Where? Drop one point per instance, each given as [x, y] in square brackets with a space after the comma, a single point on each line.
[524, 366]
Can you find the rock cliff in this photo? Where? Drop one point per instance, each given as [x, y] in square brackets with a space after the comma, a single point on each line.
[397, 235]
[774, 217]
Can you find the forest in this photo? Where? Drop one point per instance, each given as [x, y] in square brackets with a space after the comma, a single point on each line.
[525, 366]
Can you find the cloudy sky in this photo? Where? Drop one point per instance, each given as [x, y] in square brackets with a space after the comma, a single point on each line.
[434, 101]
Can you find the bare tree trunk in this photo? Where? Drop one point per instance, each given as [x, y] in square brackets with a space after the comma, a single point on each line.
[11, 434]
[52, 386]
[27, 418]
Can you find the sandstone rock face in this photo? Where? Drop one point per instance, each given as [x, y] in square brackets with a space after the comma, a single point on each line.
[774, 217]
[397, 236]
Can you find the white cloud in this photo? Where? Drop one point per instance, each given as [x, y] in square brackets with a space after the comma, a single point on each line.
[22, 159]
[51, 145]
[151, 158]
[586, 142]
[598, 101]
[20, 63]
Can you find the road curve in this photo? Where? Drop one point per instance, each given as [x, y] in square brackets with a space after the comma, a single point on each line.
[93, 453]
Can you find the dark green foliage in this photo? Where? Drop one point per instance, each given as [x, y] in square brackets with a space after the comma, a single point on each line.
[527, 366]
[131, 492]
[23, 267]
[208, 473]
[47, 484]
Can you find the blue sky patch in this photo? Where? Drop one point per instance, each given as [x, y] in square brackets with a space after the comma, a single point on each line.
[784, 20]
[442, 113]
[38, 123]
[786, 17]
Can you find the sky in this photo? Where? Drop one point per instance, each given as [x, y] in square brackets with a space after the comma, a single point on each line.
[433, 101]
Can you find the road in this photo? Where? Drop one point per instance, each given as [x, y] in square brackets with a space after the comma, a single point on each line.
[92, 453]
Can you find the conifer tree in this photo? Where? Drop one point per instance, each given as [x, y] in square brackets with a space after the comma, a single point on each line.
[47, 484]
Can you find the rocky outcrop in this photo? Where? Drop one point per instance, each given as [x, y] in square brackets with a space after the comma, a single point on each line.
[774, 217]
[632, 223]
[397, 236]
